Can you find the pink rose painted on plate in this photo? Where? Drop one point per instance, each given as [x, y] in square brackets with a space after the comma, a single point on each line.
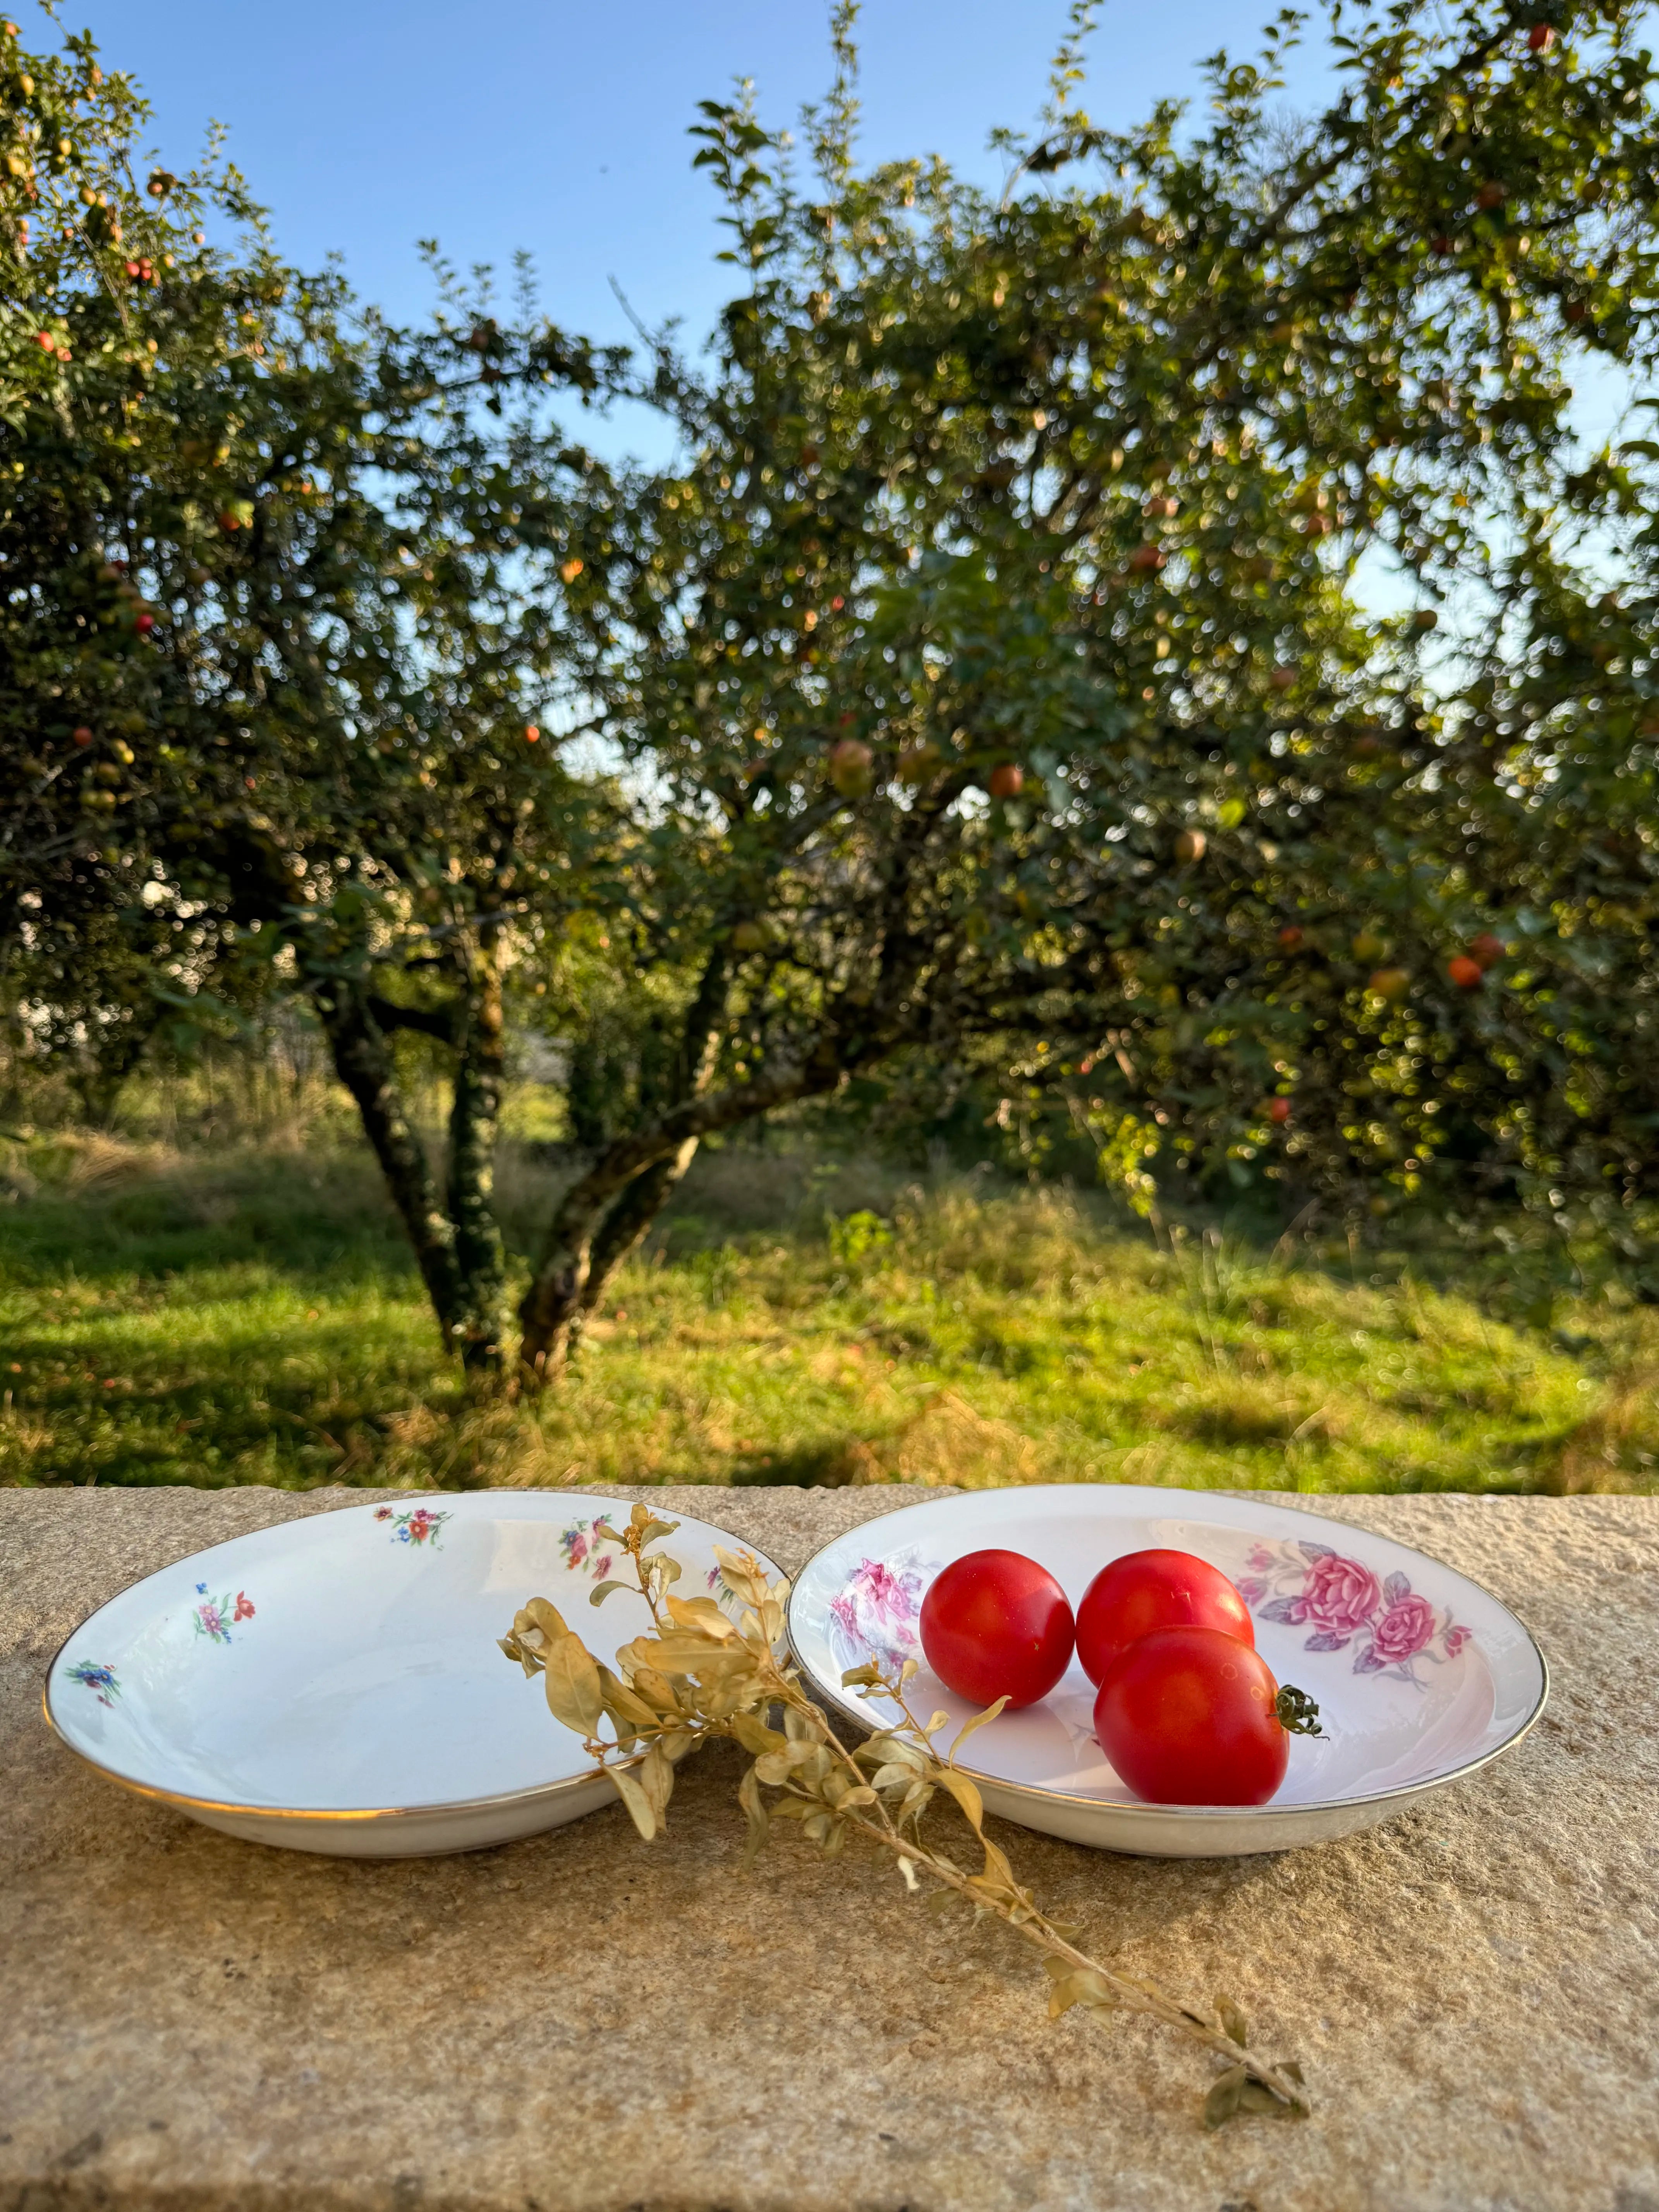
[1340, 1594]
[1388, 1626]
[1404, 1629]
[879, 1606]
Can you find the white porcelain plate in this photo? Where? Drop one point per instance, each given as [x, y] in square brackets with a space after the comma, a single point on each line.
[334, 1683]
[1420, 1676]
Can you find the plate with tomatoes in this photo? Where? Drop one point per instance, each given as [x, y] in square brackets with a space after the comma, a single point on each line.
[1186, 1674]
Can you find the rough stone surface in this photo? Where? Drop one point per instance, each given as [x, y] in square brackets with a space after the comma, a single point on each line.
[584, 2021]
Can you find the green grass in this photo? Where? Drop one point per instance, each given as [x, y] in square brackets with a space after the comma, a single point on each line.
[254, 1317]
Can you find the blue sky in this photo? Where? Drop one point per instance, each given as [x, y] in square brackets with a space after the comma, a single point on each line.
[365, 125]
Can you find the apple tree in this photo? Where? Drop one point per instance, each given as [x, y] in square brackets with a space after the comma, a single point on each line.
[991, 651]
[269, 684]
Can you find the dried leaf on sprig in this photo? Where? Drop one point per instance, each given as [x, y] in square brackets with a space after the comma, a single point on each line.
[701, 1672]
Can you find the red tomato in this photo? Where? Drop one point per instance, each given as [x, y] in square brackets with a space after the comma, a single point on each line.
[994, 1624]
[1190, 1717]
[1145, 1590]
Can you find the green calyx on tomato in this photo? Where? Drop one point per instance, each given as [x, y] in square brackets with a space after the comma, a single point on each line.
[1297, 1713]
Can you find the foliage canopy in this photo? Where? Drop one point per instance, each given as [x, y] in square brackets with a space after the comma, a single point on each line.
[986, 676]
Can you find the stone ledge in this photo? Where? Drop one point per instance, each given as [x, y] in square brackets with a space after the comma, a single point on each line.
[583, 2023]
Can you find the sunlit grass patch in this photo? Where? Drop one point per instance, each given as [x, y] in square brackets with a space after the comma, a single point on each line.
[256, 1318]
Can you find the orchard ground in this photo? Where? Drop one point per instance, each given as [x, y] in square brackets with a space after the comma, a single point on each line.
[252, 1315]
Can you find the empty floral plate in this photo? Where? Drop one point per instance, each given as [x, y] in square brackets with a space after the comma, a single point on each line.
[334, 1683]
[1420, 1676]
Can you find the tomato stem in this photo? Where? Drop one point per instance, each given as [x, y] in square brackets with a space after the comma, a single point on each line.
[1297, 1713]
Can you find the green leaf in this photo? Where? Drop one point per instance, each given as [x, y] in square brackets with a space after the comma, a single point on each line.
[979, 1721]
[753, 1807]
[656, 1775]
[1257, 2097]
[1226, 2092]
[1078, 1985]
[967, 1796]
[753, 1733]
[571, 1679]
[638, 1804]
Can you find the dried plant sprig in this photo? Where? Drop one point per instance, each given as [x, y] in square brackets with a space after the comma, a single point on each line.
[700, 1673]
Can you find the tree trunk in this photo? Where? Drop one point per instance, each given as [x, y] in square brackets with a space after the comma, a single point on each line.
[620, 1231]
[605, 1214]
[458, 1246]
[580, 1238]
[552, 1306]
[480, 1260]
[363, 1060]
[631, 1217]
[98, 1081]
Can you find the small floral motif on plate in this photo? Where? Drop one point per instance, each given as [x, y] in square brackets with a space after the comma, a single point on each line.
[420, 1525]
[1388, 1626]
[586, 1552]
[214, 1617]
[99, 1680]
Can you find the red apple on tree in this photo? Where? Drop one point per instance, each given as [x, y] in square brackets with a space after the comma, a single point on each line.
[1279, 1109]
[850, 763]
[1541, 39]
[1007, 777]
[1466, 974]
